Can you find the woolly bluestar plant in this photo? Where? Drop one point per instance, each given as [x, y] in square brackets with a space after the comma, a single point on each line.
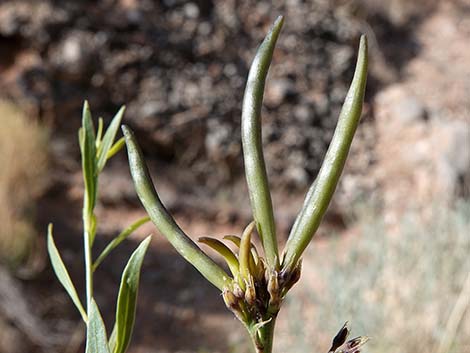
[259, 281]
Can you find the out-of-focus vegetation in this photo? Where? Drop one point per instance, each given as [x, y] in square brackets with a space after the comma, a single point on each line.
[405, 287]
[23, 160]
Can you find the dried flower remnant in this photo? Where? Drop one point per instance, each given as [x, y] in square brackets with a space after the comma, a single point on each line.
[339, 344]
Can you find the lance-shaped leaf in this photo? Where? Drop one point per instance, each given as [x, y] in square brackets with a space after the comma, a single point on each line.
[99, 132]
[86, 137]
[224, 251]
[255, 168]
[96, 340]
[321, 192]
[108, 139]
[127, 298]
[163, 220]
[62, 273]
[116, 147]
[118, 240]
[113, 339]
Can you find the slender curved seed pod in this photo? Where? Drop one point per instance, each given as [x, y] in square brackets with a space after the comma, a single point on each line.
[321, 191]
[245, 251]
[255, 263]
[163, 220]
[255, 168]
[236, 240]
[224, 251]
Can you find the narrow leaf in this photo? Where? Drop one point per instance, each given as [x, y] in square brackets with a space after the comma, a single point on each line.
[255, 168]
[113, 339]
[88, 151]
[96, 340]
[127, 298]
[319, 196]
[62, 273]
[118, 240]
[108, 139]
[163, 220]
[224, 251]
[99, 133]
[119, 145]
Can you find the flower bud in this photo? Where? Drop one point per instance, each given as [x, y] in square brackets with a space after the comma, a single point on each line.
[238, 292]
[273, 289]
[230, 299]
[250, 292]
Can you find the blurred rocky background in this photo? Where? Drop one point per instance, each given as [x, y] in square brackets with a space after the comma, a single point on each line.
[180, 69]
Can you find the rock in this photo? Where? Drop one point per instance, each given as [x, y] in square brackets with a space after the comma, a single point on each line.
[277, 91]
[304, 113]
[451, 149]
[399, 104]
[420, 163]
[165, 59]
[74, 54]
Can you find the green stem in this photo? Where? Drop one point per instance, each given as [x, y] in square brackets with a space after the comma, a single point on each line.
[87, 240]
[263, 342]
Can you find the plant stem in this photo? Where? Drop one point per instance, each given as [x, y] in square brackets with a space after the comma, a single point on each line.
[263, 343]
[87, 236]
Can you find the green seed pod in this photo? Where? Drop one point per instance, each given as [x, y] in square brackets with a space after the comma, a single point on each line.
[255, 168]
[319, 196]
[164, 221]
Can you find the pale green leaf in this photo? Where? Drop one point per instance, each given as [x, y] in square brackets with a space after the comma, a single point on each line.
[88, 151]
[96, 340]
[108, 139]
[118, 240]
[112, 339]
[127, 298]
[62, 273]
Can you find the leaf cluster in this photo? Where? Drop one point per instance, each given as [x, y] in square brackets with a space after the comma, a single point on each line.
[96, 149]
